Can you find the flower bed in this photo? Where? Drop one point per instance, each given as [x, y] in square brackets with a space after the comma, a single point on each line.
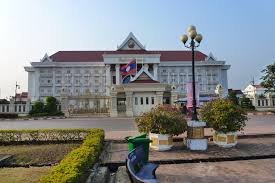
[46, 135]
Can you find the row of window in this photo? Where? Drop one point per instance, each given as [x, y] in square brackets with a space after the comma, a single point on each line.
[69, 80]
[94, 70]
[184, 79]
[144, 100]
[264, 102]
[189, 70]
[18, 108]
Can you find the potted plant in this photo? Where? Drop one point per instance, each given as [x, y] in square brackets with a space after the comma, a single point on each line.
[162, 123]
[226, 119]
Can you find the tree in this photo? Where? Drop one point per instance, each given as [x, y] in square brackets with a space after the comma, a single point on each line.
[233, 97]
[38, 107]
[224, 116]
[51, 105]
[268, 79]
[246, 103]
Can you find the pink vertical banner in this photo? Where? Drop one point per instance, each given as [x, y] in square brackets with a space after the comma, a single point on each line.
[189, 88]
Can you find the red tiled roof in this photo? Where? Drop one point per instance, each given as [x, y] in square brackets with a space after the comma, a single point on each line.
[22, 95]
[257, 86]
[97, 56]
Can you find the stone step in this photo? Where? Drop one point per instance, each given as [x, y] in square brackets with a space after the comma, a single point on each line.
[121, 176]
[100, 175]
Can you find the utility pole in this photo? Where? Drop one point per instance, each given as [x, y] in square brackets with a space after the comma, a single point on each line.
[17, 86]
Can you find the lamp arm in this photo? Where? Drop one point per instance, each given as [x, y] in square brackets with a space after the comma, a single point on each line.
[187, 46]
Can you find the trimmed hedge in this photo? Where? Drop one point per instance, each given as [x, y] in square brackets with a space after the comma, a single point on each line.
[43, 135]
[47, 114]
[75, 165]
[8, 115]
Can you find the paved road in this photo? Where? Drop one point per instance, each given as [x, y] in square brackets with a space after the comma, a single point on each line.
[112, 124]
[108, 124]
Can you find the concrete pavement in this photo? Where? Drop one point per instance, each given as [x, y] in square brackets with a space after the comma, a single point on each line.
[250, 171]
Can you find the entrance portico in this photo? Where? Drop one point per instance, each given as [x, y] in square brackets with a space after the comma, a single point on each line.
[138, 97]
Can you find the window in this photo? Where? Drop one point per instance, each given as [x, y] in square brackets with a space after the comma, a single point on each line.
[136, 101]
[58, 72]
[259, 103]
[141, 100]
[20, 108]
[68, 71]
[3, 108]
[58, 81]
[15, 108]
[49, 81]
[266, 102]
[114, 79]
[8, 108]
[273, 102]
[262, 102]
[147, 100]
[152, 100]
[24, 108]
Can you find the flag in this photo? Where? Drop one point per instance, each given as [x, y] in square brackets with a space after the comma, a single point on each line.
[129, 69]
[189, 88]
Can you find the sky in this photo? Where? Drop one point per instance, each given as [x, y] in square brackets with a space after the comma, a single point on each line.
[239, 32]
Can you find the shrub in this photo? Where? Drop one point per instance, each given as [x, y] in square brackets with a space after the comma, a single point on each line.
[49, 109]
[246, 103]
[223, 116]
[73, 167]
[164, 119]
[51, 105]
[8, 115]
[38, 107]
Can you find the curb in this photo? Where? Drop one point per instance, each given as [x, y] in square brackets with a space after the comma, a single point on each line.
[260, 113]
[180, 139]
[34, 118]
[113, 166]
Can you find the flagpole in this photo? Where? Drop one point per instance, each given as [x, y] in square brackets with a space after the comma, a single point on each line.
[136, 66]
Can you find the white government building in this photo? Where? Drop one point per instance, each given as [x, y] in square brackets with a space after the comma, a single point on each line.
[90, 81]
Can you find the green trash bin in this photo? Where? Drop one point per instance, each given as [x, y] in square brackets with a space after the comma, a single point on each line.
[136, 141]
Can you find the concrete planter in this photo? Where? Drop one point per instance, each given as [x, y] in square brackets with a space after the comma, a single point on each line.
[161, 142]
[225, 140]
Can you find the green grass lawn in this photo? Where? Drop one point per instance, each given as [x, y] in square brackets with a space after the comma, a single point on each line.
[37, 154]
[22, 175]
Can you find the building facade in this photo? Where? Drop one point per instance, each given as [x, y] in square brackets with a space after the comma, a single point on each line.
[91, 81]
[261, 100]
[20, 104]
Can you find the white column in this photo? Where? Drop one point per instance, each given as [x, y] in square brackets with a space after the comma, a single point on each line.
[159, 97]
[108, 79]
[155, 70]
[117, 74]
[129, 104]
[146, 66]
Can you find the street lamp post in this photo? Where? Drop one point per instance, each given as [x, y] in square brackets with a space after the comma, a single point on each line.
[194, 43]
[195, 132]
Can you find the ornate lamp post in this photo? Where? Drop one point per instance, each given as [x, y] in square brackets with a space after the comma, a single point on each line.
[194, 43]
[195, 133]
